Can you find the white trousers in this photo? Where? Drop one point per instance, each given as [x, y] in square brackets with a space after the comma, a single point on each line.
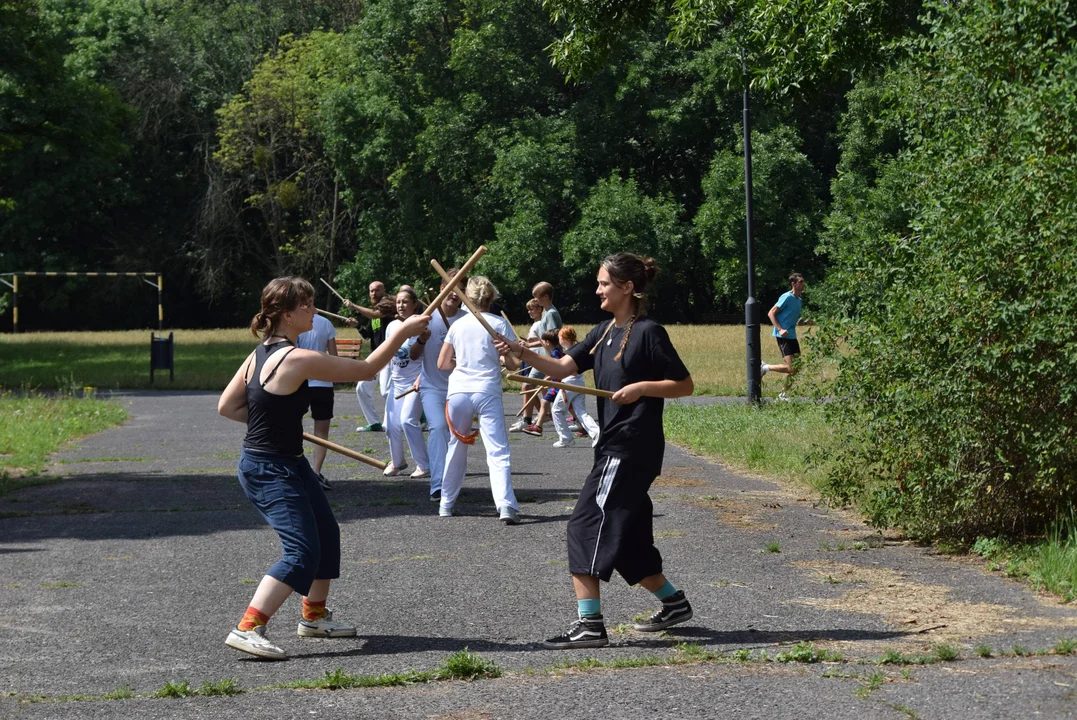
[402, 421]
[364, 393]
[437, 433]
[576, 402]
[462, 409]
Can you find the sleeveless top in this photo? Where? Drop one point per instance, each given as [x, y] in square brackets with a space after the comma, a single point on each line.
[274, 422]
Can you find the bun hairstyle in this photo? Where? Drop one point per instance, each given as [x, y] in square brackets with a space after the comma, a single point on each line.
[280, 295]
[628, 267]
[482, 292]
[567, 333]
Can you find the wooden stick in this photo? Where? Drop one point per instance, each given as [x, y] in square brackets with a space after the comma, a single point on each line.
[527, 401]
[561, 386]
[426, 297]
[344, 451]
[406, 392]
[333, 315]
[334, 291]
[449, 288]
[506, 318]
[451, 283]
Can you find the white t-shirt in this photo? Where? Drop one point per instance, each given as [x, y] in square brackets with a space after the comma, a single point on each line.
[536, 332]
[317, 339]
[478, 366]
[434, 379]
[404, 370]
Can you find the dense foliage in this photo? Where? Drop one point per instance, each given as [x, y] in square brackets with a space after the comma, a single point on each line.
[952, 241]
[223, 143]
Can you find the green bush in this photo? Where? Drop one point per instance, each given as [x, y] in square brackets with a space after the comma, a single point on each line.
[952, 312]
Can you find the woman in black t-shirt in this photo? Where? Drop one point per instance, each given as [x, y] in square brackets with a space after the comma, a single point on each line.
[611, 525]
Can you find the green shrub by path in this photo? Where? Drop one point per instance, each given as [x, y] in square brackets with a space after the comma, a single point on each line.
[1049, 564]
[34, 426]
[953, 258]
[207, 359]
[773, 440]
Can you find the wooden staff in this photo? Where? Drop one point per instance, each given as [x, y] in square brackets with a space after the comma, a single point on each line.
[449, 288]
[334, 291]
[451, 283]
[527, 400]
[344, 451]
[333, 315]
[506, 318]
[561, 386]
[426, 298]
[406, 392]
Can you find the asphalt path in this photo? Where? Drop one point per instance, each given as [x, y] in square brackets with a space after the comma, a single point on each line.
[130, 567]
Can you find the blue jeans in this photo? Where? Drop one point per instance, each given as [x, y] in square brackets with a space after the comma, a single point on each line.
[286, 492]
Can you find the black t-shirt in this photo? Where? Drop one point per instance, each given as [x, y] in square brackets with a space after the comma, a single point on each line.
[375, 332]
[630, 431]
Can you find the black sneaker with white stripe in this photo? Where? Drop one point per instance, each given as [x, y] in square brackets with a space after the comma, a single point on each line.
[675, 610]
[587, 632]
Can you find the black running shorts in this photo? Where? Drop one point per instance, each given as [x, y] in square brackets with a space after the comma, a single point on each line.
[321, 403]
[611, 527]
[788, 346]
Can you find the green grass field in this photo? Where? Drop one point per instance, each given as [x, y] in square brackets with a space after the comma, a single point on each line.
[206, 359]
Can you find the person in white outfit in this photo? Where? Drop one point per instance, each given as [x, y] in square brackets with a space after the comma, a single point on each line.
[576, 402]
[475, 388]
[434, 385]
[402, 416]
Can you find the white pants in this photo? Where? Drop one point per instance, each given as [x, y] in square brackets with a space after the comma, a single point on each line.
[565, 401]
[364, 393]
[437, 435]
[402, 420]
[462, 409]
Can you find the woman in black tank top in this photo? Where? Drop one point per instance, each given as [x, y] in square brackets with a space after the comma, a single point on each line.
[269, 394]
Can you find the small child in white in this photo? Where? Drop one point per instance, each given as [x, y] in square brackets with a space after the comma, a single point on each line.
[575, 402]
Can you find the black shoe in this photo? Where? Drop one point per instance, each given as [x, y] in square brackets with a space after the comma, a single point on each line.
[675, 610]
[435, 496]
[588, 632]
[326, 485]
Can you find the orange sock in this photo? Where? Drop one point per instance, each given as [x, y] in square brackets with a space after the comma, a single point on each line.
[313, 610]
[252, 619]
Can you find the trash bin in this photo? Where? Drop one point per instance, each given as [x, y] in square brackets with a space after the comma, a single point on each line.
[162, 355]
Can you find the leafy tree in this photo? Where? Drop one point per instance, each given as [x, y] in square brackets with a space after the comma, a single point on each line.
[271, 145]
[787, 211]
[956, 398]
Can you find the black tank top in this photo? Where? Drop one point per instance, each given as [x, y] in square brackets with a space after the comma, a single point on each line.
[274, 422]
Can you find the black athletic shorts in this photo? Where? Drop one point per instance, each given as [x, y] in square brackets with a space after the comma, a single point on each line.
[611, 527]
[321, 403]
[788, 346]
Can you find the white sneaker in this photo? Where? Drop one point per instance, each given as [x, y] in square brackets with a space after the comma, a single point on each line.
[564, 443]
[420, 473]
[326, 627]
[254, 642]
[783, 397]
[518, 426]
[763, 369]
[510, 516]
[574, 427]
[391, 469]
[444, 511]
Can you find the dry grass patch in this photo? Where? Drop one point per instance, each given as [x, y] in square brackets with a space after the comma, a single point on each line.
[746, 511]
[680, 476]
[925, 611]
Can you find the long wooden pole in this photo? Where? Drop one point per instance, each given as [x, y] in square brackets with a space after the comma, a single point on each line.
[464, 270]
[334, 291]
[333, 315]
[450, 283]
[561, 386]
[344, 451]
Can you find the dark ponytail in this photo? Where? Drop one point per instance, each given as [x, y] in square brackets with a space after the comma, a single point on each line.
[628, 267]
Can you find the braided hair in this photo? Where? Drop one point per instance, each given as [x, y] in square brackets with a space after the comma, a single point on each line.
[625, 267]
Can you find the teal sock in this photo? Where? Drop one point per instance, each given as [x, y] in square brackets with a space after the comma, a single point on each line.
[590, 607]
[665, 591]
